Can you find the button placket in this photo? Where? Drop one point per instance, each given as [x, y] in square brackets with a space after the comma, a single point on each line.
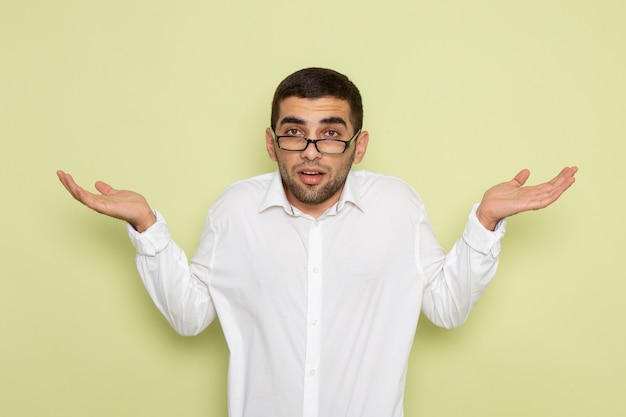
[314, 301]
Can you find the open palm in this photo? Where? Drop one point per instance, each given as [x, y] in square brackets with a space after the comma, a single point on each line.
[125, 205]
[511, 197]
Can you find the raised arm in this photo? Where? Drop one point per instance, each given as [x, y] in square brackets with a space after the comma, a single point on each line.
[509, 198]
[120, 204]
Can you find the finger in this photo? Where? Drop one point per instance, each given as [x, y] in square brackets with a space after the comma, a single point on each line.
[69, 184]
[556, 187]
[80, 194]
[522, 177]
[550, 198]
[565, 178]
[104, 188]
[569, 171]
[566, 172]
[566, 183]
[64, 178]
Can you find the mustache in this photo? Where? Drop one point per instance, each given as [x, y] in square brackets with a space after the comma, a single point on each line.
[311, 164]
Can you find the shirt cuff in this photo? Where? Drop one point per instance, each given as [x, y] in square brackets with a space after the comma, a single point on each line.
[480, 238]
[153, 240]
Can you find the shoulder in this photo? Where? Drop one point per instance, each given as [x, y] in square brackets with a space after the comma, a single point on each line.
[256, 185]
[377, 186]
[247, 193]
[389, 198]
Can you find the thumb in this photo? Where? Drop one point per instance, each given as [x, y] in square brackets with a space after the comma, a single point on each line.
[522, 177]
[104, 188]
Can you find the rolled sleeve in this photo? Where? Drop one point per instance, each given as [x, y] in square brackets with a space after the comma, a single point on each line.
[480, 238]
[153, 240]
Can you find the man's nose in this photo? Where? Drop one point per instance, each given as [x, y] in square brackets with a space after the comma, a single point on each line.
[311, 152]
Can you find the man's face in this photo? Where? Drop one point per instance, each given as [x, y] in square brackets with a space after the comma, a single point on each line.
[313, 181]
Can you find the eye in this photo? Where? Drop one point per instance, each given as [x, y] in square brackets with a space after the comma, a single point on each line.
[293, 132]
[332, 134]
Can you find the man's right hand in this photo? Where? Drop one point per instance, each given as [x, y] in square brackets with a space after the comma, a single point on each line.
[124, 205]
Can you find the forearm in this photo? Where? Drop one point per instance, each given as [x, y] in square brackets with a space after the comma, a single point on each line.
[180, 296]
[459, 279]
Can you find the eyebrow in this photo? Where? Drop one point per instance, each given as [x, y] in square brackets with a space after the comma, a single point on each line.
[334, 121]
[291, 119]
[327, 121]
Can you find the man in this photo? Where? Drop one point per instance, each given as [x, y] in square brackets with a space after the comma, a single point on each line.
[317, 272]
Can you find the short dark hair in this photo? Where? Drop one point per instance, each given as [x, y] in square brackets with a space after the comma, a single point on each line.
[317, 83]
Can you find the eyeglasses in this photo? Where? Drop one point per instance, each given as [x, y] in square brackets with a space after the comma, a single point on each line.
[300, 143]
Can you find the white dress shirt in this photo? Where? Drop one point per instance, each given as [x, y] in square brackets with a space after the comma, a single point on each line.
[319, 314]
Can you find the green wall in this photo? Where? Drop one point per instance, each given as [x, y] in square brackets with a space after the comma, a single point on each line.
[171, 98]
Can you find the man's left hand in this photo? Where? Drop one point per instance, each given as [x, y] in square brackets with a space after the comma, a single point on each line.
[511, 197]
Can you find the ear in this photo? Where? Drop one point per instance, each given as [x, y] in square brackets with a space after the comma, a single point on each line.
[361, 146]
[269, 144]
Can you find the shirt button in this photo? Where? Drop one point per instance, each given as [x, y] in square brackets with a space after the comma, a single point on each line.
[312, 372]
[317, 223]
[316, 270]
[313, 322]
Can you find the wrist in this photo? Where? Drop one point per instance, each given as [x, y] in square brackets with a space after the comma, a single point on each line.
[488, 222]
[145, 223]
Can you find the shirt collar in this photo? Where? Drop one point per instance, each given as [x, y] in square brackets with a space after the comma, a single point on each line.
[275, 195]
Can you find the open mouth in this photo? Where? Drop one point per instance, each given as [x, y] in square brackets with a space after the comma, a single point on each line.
[311, 177]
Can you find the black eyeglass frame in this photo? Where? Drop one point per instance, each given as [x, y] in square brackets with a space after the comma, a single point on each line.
[314, 142]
